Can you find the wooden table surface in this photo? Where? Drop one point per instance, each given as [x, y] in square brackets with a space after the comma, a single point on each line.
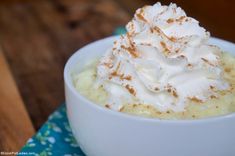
[38, 36]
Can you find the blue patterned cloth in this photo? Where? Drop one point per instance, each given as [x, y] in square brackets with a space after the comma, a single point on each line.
[55, 137]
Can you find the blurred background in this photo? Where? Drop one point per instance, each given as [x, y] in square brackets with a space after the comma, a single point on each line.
[38, 36]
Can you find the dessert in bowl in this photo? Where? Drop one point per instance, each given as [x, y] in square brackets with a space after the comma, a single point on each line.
[143, 93]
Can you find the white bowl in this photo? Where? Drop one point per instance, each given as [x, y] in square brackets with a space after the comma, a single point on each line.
[103, 132]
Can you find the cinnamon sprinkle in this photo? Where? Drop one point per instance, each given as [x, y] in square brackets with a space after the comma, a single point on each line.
[182, 56]
[174, 93]
[107, 106]
[109, 65]
[212, 87]
[173, 39]
[228, 70]
[172, 90]
[115, 73]
[180, 19]
[121, 109]
[195, 99]
[158, 30]
[212, 96]
[189, 65]
[205, 60]
[122, 77]
[156, 89]
[131, 50]
[130, 89]
[130, 41]
[170, 20]
[163, 44]
[140, 16]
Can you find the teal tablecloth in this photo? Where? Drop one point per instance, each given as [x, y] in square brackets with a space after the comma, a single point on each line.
[55, 137]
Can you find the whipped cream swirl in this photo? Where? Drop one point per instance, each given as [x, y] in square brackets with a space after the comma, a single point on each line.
[163, 60]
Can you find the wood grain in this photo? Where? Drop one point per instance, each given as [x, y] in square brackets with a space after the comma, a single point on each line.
[15, 125]
[39, 36]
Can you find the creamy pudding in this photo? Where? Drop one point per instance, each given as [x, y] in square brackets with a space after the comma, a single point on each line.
[163, 67]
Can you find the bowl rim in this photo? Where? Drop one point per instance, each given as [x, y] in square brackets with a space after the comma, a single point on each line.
[67, 76]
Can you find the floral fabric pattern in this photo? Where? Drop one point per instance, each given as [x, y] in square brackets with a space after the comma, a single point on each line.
[54, 138]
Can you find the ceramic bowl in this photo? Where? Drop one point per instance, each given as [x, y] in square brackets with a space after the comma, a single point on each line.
[103, 132]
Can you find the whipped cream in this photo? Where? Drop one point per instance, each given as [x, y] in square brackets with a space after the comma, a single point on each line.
[163, 60]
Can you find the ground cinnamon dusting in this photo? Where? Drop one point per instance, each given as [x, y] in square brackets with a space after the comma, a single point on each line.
[180, 19]
[182, 56]
[212, 87]
[189, 65]
[205, 60]
[212, 96]
[163, 44]
[131, 50]
[175, 94]
[129, 40]
[115, 73]
[177, 50]
[156, 89]
[170, 20]
[109, 65]
[107, 106]
[172, 91]
[122, 76]
[194, 99]
[128, 77]
[158, 30]
[141, 17]
[173, 39]
[131, 90]
[228, 70]
[121, 109]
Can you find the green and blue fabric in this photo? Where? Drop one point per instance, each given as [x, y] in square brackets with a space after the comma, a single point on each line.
[54, 138]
